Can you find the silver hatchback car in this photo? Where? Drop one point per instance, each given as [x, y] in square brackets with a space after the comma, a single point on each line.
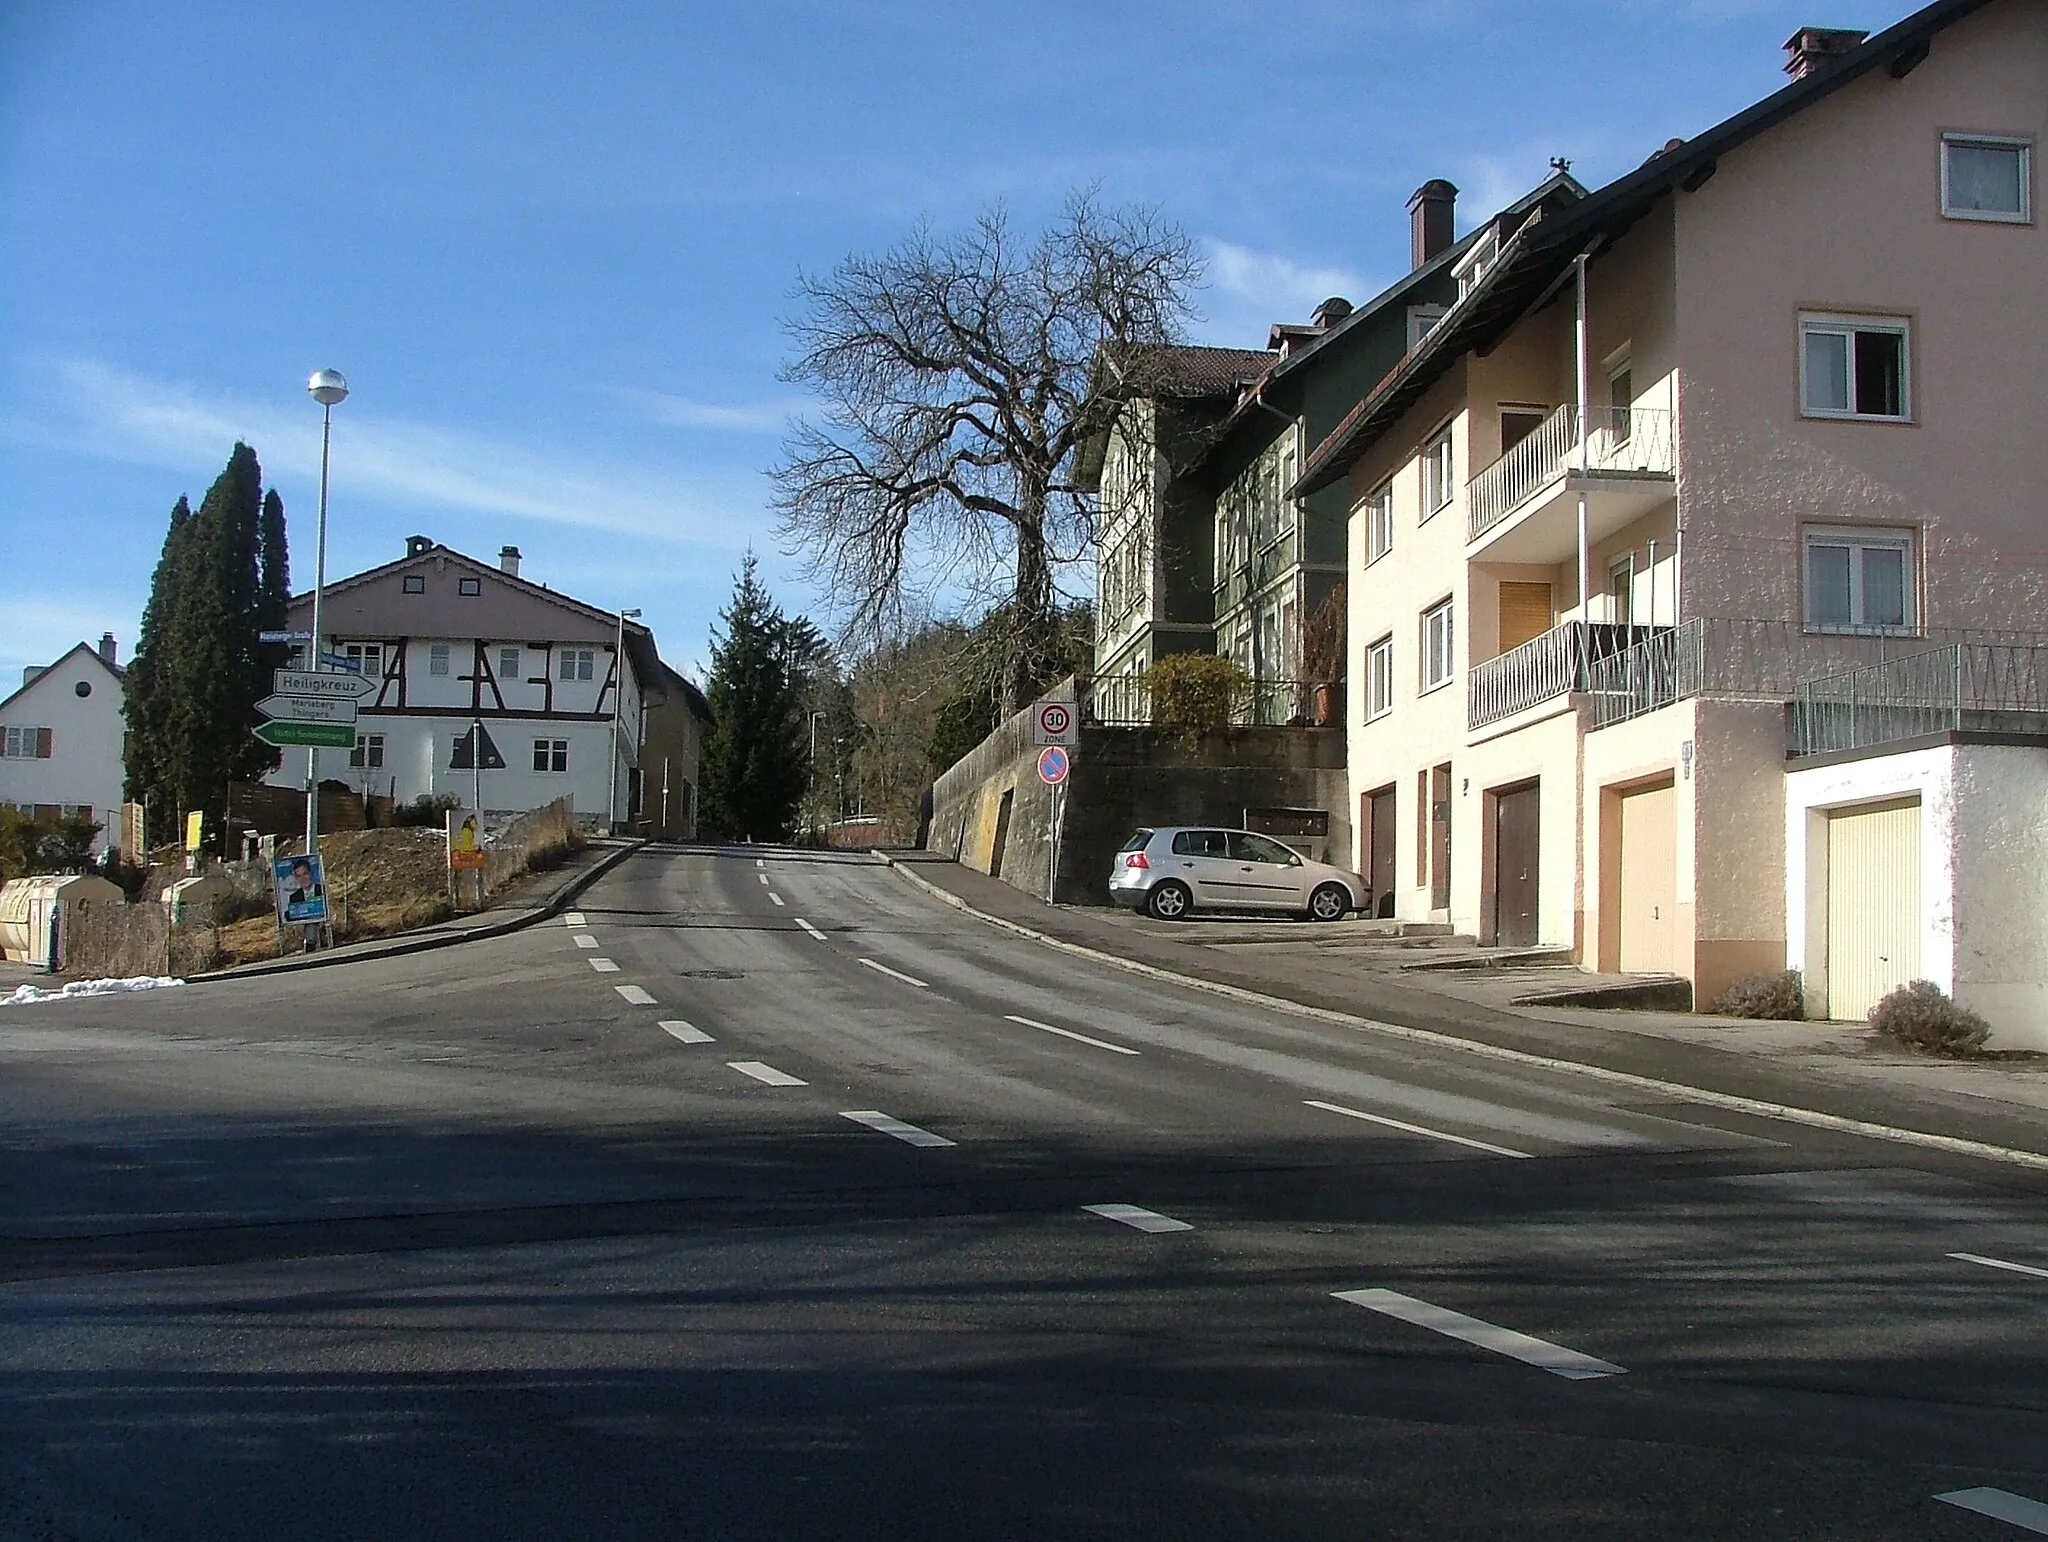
[1169, 871]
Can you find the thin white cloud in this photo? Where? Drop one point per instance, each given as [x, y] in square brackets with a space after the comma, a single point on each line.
[38, 628]
[1286, 289]
[120, 414]
[746, 418]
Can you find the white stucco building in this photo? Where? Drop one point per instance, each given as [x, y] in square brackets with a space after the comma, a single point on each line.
[61, 741]
[460, 649]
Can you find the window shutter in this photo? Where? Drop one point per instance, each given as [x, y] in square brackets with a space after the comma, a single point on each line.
[44, 740]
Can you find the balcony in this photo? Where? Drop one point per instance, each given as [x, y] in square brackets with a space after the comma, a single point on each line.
[1125, 701]
[1523, 507]
[1997, 688]
[1558, 663]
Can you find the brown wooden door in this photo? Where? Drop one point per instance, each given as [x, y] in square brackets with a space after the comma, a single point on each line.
[1516, 828]
[1380, 868]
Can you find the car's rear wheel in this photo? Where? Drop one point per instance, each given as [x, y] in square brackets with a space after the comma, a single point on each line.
[1330, 902]
[1168, 900]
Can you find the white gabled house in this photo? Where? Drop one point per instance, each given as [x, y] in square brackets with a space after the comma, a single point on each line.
[62, 741]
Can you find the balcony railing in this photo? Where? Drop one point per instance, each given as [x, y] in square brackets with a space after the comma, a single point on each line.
[1732, 659]
[1557, 663]
[1623, 441]
[1125, 701]
[1980, 687]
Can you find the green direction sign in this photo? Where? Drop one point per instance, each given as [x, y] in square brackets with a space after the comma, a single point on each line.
[326, 736]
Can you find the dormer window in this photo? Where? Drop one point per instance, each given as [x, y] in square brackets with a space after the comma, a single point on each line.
[1473, 266]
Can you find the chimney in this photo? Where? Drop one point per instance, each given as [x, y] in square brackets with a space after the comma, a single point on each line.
[417, 544]
[1430, 226]
[107, 646]
[1330, 312]
[508, 560]
[1810, 48]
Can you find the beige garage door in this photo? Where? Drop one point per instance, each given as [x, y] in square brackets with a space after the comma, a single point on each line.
[1873, 905]
[1649, 880]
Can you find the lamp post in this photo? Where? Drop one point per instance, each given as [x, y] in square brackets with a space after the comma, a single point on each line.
[618, 710]
[816, 812]
[327, 387]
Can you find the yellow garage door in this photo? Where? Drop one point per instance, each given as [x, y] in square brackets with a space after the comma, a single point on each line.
[1648, 829]
[1873, 905]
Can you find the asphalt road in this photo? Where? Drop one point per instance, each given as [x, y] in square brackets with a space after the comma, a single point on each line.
[755, 1202]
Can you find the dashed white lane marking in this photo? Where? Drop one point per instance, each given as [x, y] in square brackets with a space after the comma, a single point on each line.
[636, 994]
[1068, 1033]
[800, 921]
[909, 1134]
[584, 940]
[2000, 1263]
[574, 918]
[1554, 1358]
[687, 1033]
[774, 896]
[762, 1071]
[764, 877]
[1138, 1218]
[2027, 1514]
[604, 966]
[896, 974]
[760, 861]
[1416, 1129]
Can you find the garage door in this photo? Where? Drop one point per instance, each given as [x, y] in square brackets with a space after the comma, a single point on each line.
[1648, 829]
[1873, 905]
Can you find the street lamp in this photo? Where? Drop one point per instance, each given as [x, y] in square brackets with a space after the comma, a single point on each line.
[327, 387]
[618, 708]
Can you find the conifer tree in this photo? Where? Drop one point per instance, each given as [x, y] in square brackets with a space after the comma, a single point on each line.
[150, 684]
[754, 763]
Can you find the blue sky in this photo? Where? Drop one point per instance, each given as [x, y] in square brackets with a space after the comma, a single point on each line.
[551, 246]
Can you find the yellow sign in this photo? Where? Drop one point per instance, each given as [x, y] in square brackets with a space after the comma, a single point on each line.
[465, 850]
[195, 830]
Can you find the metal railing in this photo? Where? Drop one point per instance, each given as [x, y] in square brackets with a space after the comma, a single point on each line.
[1621, 441]
[1557, 663]
[1125, 701]
[1980, 687]
[1733, 659]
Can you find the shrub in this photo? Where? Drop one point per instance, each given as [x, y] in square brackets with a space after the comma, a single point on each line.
[427, 809]
[1771, 994]
[1920, 1017]
[1197, 691]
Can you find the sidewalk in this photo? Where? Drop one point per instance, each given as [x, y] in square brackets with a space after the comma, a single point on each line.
[1355, 968]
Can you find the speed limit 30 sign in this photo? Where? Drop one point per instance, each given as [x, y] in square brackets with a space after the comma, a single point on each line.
[1055, 722]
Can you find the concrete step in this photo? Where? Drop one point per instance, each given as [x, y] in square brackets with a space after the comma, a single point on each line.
[1497, 958]
[1640, 993]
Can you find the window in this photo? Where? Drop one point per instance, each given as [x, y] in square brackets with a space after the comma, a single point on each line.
[1853, 367]
[437, 658]
[1436, 473]
[508, 663]
[551, 754]
[77, 810]
[1621, 588]
[365, 658]
[1436, 646]
[297, 658]
[1621, 396]
[1200, 843]
[1518, 423]
[1379, 523]
[469, 586]
[368, 755]
[27, 744]
[579, 664]
[414, 584]
[1247, 847]
[1379, 679]
[1859, 580]
[1984, 177]
[1422, 320]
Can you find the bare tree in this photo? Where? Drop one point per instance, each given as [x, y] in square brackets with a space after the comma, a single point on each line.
[959, 375]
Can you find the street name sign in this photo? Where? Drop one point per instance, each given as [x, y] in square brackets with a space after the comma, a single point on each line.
[308, 709]
[1055, 722]
[325, 736]
[281, 635]
[311, 682]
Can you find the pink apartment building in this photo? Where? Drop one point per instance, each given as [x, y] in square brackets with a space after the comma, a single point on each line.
[1699, 554]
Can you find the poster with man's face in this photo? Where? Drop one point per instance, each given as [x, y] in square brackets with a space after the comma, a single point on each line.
[301, 889]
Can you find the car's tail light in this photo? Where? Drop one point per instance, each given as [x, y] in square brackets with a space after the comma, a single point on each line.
[1136, 859]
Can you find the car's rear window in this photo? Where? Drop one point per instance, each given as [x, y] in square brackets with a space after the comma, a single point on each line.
[1136, 841]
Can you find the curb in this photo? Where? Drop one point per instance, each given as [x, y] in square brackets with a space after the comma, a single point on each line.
[1813, 1118]
[554, 906]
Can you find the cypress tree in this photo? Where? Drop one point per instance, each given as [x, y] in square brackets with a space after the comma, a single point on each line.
[754, 762]
[150, 685]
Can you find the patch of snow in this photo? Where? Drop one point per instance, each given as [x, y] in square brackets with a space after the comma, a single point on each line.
[26, 995]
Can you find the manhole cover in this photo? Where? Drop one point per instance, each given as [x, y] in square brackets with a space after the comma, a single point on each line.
[713, 974]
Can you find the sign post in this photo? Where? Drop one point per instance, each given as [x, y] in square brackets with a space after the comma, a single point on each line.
[465, 850]
[1054, 762]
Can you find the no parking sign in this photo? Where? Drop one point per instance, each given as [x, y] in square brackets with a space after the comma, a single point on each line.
[1052, 765]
